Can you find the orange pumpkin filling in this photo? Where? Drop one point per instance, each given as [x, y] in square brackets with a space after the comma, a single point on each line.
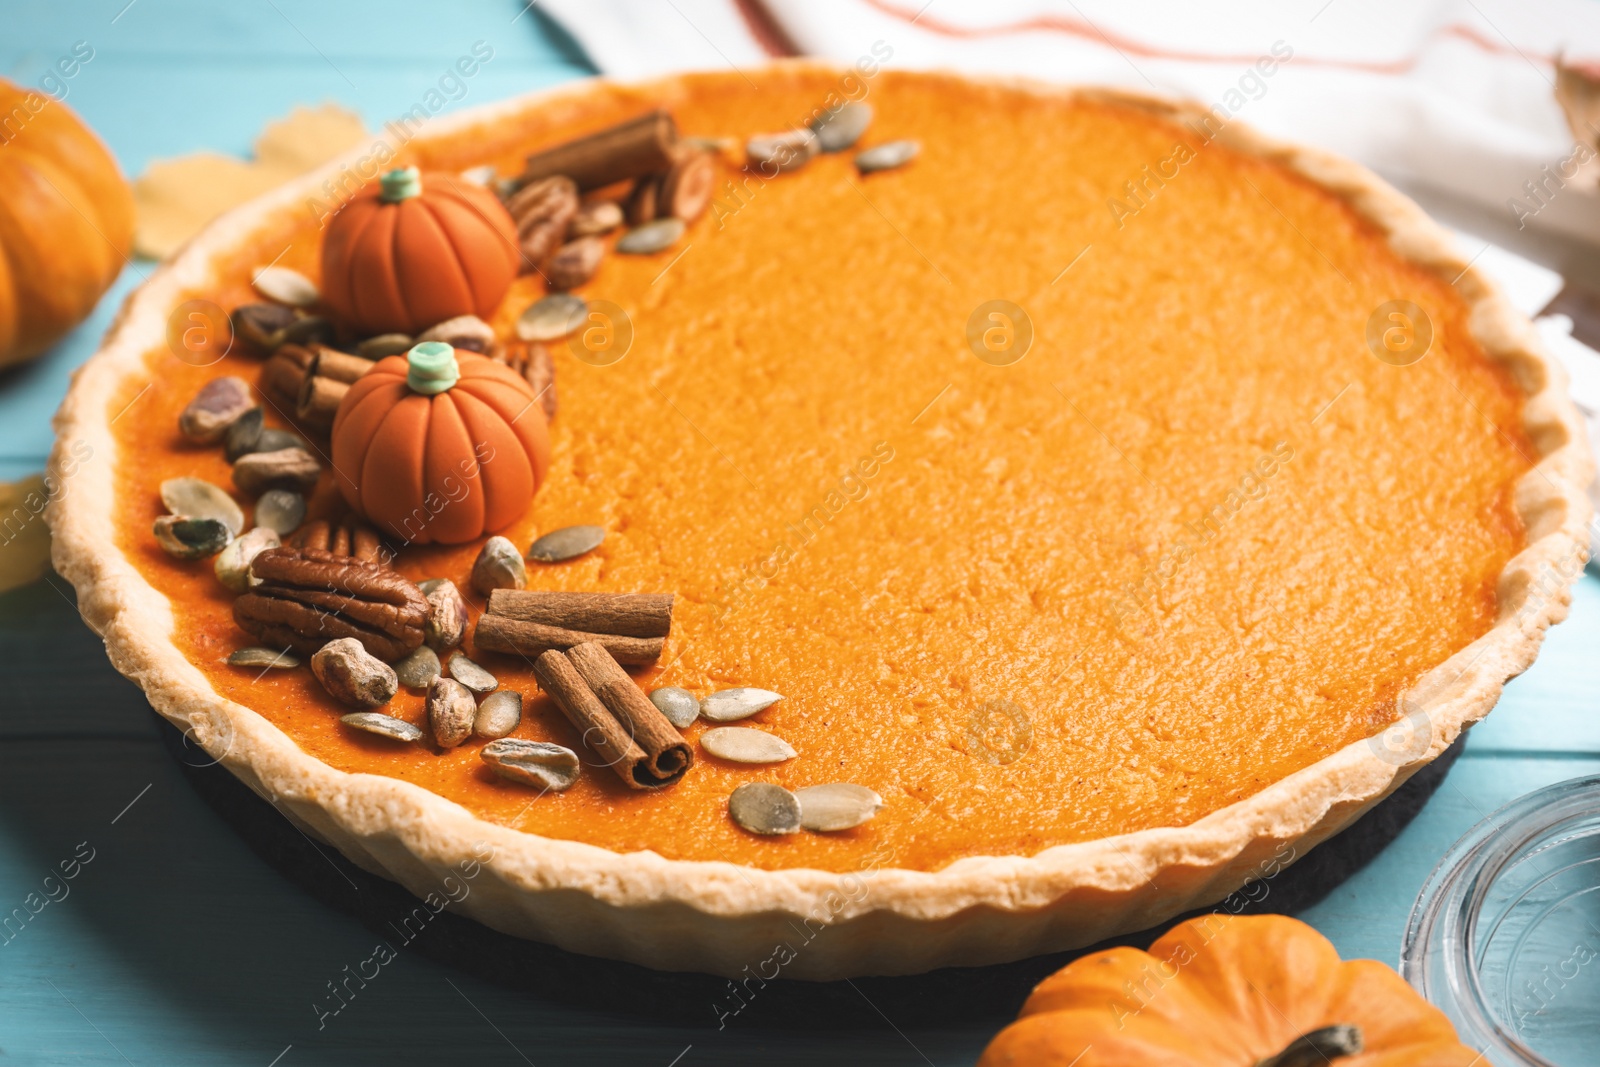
[1196, 539]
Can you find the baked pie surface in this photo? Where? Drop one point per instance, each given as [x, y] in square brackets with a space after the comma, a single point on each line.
[1133, 606]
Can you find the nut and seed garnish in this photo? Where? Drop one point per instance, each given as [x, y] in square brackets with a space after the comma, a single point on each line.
[731, 705]
[680, 706]
[256, 656]
[471, 675]
[652, 237]
[542, 210]
[447, 614]
[552, 317]
[498, 566]
[352, 675]
[498, 715]
[764, 808]
[199, 499]
[214, 408]
[569, 542]
[233, 562]
[836, 806]
[286, 468]
[451, 710]
[537, 763]
[188, 538]
[276, 440]
[418, 669]
[280, 511]
[376, 722]
[285, 286]
[887, 156]
[466, 332]
[385, 344]
[242, 436]
[741, 744]
[778, 153]
[304, 597]
[841, 127]
[262, 326]
[575, 263]
[595, 218]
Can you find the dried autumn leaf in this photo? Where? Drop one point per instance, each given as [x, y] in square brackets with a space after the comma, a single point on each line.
[176, 197]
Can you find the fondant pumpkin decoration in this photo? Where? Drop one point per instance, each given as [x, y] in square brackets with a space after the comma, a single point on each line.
[440, 445]
[66, 222]
[415, 249]
[1228, 991]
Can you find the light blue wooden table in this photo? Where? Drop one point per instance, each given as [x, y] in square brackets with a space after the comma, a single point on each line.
[176, 945]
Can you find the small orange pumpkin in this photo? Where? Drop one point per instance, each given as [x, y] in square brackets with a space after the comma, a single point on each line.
[66, 221]
[440, 445]
[1228, 991]
[413, 250]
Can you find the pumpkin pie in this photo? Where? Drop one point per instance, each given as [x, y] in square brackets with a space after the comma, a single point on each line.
[1128, 500]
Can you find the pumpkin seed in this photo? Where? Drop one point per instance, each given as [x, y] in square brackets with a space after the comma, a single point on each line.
[385, 344]
[471, 675]
[428, 585]
[233, 562]
[536, 763]
[189, 538]
[418, 669]
[731, 705]
[214, 408]
[498, 566]
[275, 440]
[256, 656]
[887, 156]
[552, 317]
[841, 127]
[285, 286]
[201, 500]
[764, 808]
[650, 238]
[569, 542]
[741, 744]
[596, 218]
[498, 715]
[680, 706]
[778, 153]
[280, 511]
[242, 436]
[836, 806]
[376, 722]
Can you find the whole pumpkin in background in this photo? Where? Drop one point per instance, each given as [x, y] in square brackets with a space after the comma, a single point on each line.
[1228, 991]
[414, 249]
[440, 445]
[66, 221]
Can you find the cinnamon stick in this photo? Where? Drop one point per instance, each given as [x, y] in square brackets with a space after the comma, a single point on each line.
[498, 633]
[623, 614]
[618, 153]
[340, 366]
[284, 374]
[318, 401]
[667, 755]
[601, 730]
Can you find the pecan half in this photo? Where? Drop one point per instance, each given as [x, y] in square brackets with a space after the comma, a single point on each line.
[533, 361]
[542, 210]
[308, 597]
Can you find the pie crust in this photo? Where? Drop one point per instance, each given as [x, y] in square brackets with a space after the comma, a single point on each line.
[721, 917]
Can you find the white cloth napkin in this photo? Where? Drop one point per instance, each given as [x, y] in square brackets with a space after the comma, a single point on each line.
[1455, 94]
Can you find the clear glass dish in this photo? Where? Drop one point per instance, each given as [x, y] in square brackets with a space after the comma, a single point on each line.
[1505, 936]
